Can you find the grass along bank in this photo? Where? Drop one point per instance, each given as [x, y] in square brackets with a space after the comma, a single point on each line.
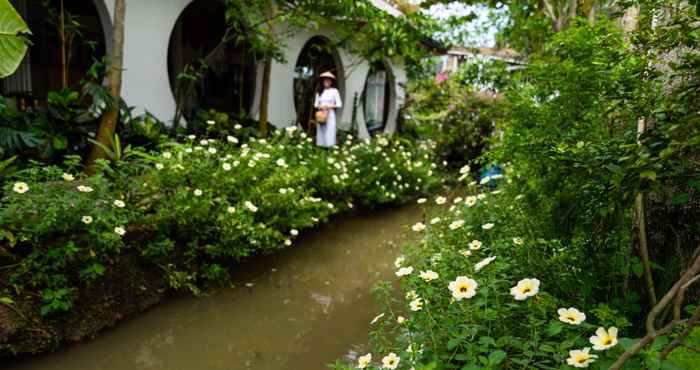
[185, 212]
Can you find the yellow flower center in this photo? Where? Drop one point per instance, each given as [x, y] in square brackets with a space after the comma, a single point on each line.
[607, 341]
[391, 362]
[571, 317]
[526, 290]
[581, 359]
[463, 289]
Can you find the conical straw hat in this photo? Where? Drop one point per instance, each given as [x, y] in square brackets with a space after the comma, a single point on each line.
[327, 74]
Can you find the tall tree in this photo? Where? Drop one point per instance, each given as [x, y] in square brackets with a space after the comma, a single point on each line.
[108, 125]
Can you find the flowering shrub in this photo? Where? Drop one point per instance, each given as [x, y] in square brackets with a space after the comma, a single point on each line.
[480, 294]
[193, 207]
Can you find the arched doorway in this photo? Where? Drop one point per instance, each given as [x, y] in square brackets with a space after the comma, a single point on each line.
[227, 83]
[317, 56]
[376, 98]
[43, 69]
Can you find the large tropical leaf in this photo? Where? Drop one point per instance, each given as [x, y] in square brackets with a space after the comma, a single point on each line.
[13, 43]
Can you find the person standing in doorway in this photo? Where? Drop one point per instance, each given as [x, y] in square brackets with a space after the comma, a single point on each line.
[328, 100]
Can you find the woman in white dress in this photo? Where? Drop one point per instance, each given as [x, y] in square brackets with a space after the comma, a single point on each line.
[328, 99]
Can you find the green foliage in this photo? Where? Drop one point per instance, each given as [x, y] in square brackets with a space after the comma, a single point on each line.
[193, 207]
[13, 40]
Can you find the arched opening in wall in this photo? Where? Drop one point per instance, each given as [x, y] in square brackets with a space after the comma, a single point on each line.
[43, 69]
[227, 81]
[317, 56]
[376, 98]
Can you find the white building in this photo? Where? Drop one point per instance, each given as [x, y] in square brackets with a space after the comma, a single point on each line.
[162, 36]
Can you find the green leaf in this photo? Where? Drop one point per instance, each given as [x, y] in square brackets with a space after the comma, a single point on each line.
[637, 269]
[554, 328]
[6, 300]
[650, 175]
[681, 198]
[12, 42]
[497, 357]
[452, 343]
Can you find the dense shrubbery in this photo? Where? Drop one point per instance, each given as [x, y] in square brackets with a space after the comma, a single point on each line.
[191, 207]
[575, 161]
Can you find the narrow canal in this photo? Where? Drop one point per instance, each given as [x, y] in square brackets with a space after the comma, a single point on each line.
[298, 310]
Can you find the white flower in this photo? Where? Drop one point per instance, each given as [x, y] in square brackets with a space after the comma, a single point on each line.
[188, 150]
[456, 224]
[237, 127]
[465, 253]
[231, 139]
[119, 231]
[68, 177]
[470, 201]
[488, 226]
[167, 155]
[198, 192]
[435, 220]
[87, 220]
[411, 294]
[429, 275]
[580, 358]
[210, 122]
[287, 242]
[294, 232]
[475, 245]
[457, 200]
[364, 361]
[159, 166]
[212, 150]
[404, 271]
[485, 180]
[20, 187]
[376, 318]
[119, 203]
[400, 319]
[191, 137]
[416, 304]
[440, 200]
[464, 169]
[399, 261]
[418, 227]
[250, 206]
[204, 142]
[518, 241]
[390, 361]
[481, 196]
[226, 166]
[84, 189]
[604, 339]
[463, 287]
[519, 196]
[281, 162]
[231, 209]
[483, 263]
[526, 288]
[571, 316]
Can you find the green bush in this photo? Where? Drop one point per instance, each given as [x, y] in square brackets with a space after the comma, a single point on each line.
[192, 208]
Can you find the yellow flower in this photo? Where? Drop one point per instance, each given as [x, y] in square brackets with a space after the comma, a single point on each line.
[390, 361]
[604, 339]
[470, 201]
[364, 361]
[475, 245]
[571, 316]
[463, 287]
[483, 263]
[488, 226]
[526, 288]
[416, 304]
[68, 177]
[429, 275]
[20, 187]
[580, 358]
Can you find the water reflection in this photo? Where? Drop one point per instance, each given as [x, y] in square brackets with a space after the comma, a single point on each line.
[299, 309]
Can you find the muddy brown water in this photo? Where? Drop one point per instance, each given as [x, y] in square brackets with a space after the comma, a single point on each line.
[299, 309]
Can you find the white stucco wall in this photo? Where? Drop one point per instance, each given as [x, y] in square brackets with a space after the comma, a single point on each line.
[145, 81]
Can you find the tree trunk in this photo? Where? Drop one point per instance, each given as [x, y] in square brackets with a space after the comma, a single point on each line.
[62, 41]
[265, 98]
[109, 119]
